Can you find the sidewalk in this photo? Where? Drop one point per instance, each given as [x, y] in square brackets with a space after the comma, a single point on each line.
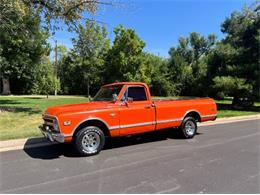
[18, 144]
[230, 120]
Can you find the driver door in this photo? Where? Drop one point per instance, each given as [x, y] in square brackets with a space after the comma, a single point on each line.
[138, 114]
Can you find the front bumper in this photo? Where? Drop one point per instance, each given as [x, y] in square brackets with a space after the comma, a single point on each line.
[51, 135]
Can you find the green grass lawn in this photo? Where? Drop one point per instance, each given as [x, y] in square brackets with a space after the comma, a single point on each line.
[225, 109]
[20, 116]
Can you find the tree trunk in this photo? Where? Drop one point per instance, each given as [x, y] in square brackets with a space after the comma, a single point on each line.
[6, 87]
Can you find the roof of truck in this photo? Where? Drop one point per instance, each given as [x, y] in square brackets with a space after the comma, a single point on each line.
[124, 83]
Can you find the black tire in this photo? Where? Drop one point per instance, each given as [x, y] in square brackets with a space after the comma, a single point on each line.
[89, 141]
[187, 132]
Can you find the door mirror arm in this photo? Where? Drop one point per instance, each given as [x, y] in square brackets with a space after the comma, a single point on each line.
[129, 100]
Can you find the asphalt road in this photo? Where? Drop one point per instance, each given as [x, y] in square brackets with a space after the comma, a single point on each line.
[220, 159]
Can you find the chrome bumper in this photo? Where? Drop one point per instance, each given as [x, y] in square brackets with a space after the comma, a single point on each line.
[51, 135]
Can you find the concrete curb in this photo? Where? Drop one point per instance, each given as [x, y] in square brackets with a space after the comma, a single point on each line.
[230, 120]
[18, 144]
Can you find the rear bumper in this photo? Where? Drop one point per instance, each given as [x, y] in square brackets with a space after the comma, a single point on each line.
[51, 135]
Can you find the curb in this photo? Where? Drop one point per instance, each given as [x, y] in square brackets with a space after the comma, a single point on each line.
[230, 120]
[18, 144]
[26, 143]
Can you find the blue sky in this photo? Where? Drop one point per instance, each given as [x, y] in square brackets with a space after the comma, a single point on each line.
[161, 22]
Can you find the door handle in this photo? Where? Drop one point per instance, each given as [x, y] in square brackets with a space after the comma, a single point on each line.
[147, 107]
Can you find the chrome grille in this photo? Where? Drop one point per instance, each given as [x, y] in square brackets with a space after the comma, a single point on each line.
[48, 123]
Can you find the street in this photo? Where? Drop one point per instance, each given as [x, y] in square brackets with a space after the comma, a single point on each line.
[223, 158]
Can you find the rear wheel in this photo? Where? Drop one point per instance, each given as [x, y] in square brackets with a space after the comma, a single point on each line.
[89, 140]
[188, 127]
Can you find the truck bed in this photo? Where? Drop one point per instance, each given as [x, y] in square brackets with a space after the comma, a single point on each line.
[181, 98]
[171, 112]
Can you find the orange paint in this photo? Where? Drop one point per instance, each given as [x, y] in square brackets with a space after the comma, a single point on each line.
[126, 118]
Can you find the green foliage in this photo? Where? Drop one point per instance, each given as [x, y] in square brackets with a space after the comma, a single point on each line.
[237, 56]
[242, 30]
[198, 65]
[86, 60]
[125, 57]
[69, 12]
[232, 86]
[188, 63]
[155, 73]
[22, 43]
[46, 82]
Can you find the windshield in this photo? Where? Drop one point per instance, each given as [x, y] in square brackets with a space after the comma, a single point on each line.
[108, 93]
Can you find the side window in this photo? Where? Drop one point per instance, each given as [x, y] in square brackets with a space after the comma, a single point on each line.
[137, 93]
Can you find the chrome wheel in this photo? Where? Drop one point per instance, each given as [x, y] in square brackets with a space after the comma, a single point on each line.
[91, 141]
[190, 128]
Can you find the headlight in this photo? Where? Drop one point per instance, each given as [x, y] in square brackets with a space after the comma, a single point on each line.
[55, 125]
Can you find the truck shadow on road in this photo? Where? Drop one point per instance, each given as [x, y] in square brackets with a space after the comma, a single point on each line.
[67, 150]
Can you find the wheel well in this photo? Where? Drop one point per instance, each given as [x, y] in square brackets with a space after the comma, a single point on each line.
[194, 115]
[93, 122]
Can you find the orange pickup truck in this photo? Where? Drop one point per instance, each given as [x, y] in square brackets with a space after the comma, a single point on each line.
[121, 109]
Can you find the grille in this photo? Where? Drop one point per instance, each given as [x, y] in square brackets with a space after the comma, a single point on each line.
[48, 123]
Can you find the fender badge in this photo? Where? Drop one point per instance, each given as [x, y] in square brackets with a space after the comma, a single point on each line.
[112, 114]
[67, 123]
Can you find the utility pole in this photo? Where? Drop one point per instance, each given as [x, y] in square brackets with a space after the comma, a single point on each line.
[56, 67]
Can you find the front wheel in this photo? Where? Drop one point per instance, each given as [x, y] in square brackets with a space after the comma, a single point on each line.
[89, 140]
[188, 127]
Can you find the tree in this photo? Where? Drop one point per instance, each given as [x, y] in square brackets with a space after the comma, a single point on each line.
[46, 81]
[70, 12]
[87, 59]
[232, 86]
[22, 39]
[188, 63]
[125, 57]
[22, 43]
[236, 59]
[156, 73]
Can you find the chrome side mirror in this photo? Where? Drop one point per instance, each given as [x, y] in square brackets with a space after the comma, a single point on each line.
[129, 100]
[114, 97]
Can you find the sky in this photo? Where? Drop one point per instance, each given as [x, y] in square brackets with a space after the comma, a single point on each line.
[160, 23]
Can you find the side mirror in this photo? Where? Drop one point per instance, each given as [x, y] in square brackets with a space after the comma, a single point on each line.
[114, 97]
[129, 100]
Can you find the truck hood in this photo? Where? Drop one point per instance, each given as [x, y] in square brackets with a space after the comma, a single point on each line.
[71, 108]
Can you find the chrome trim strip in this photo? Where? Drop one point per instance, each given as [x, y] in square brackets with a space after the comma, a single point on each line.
[146, 123]
[187, 112]
[88, 119]
[114, 127]
[207, 116]
[169, 120]
[137, 124]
